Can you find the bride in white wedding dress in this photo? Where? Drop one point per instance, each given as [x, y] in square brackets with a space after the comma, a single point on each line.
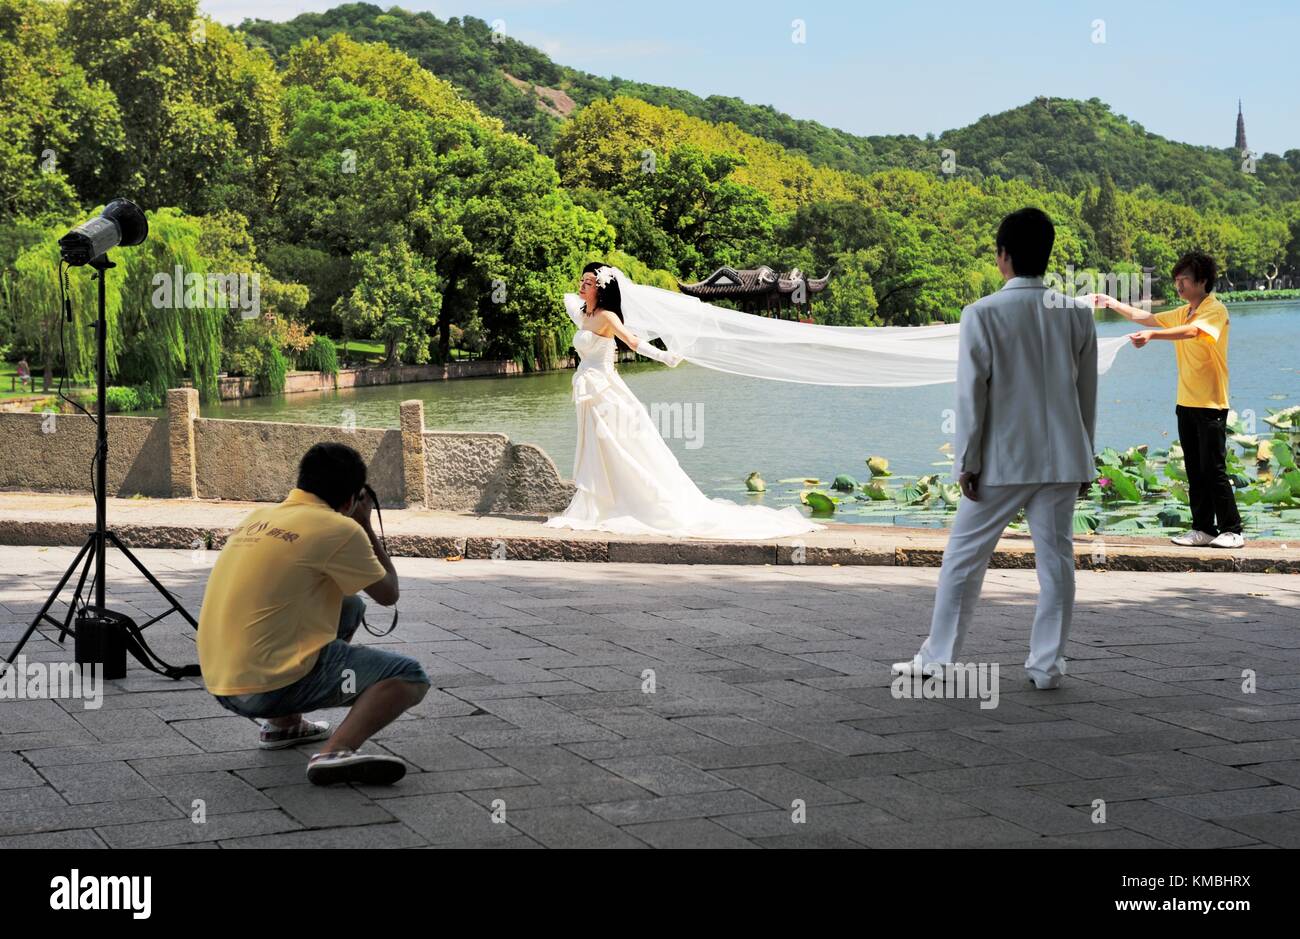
[628, 480]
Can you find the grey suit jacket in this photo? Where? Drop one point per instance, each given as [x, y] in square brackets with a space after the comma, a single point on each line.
[1026, 387]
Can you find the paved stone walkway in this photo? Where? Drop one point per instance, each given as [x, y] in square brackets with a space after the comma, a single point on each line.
[771, 686]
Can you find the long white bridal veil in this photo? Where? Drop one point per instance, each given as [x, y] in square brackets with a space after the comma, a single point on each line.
[787, 350]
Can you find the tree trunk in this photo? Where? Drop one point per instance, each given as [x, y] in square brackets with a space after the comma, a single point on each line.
[48, 376]
[444, 321]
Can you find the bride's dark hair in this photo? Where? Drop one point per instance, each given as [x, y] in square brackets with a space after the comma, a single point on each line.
[608, 298]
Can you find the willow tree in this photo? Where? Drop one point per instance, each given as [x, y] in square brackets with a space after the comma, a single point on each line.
[34, 299]
[156, 336]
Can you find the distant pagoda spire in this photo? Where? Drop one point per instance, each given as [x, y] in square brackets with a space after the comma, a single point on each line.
[1241, 129]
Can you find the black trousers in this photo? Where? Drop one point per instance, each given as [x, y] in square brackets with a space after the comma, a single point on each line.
[1203, 433]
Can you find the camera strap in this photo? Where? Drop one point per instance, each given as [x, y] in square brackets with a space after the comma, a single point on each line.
[383, 541]
[136, 645]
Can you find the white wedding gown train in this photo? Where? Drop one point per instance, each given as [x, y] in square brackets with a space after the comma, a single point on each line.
[629, 481]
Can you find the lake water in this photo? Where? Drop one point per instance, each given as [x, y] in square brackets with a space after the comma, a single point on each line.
[785, 430]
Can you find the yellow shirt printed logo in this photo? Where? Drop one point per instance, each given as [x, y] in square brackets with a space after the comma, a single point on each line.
[275, 594]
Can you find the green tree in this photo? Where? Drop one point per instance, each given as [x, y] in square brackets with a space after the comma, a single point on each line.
[636, 231]
[708, 218]
[55, 123]
[396, 300]
[1292, 259]
[198, 108]
[1106, 216]
[1155, 252]
[480, 208]
[850, 299]
[507, 244]
[918, 273]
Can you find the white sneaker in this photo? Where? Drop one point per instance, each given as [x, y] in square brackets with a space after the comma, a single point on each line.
[348, 766]
[1228, 539]
[277, 738]
[914, 667]
[1193, 539]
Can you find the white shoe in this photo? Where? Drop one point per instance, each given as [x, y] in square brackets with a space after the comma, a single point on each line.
[1228, 539]
[348, 766]
[1044, 682]
[273, 738]
[1193, 539]
[914, 667]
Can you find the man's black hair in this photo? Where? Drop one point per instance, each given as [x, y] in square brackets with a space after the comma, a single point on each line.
[1027, 235]
[333, 471]
[1201, 266]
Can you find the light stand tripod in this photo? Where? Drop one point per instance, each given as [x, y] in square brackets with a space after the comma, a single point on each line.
[97, 542]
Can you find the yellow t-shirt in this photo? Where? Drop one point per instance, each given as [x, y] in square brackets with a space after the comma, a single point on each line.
[1203, 361]
[276, 592]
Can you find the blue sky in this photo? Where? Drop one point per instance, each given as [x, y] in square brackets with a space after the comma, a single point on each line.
[868, 67]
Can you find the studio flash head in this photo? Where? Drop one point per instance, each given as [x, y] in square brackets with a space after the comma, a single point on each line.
[121, 223]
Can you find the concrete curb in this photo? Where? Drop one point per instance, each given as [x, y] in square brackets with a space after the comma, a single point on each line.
[596, 548]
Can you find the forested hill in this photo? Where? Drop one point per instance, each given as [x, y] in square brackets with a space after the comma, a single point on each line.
[1065, 144]
[1053, 143]
[465, 52]
[367, 179]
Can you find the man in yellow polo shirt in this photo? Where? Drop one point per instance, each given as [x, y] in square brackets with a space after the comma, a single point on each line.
[280, 611]
[1200, 331]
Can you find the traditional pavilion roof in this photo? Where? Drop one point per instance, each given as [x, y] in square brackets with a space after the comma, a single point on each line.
[730, 282]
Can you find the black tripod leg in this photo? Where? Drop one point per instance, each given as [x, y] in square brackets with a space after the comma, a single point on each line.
[49, 602]
[153, 580]
[81, 582]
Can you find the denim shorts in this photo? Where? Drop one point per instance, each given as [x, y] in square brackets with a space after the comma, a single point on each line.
[342, 671]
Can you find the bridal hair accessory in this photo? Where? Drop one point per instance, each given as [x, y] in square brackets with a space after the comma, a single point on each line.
[604, 275]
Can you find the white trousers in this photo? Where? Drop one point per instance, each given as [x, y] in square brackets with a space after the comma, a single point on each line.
[1049, 509]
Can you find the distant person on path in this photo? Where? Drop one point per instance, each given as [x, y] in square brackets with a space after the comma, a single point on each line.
[1026, 412]
[1199, 330]
[24, 374]
[280, 611]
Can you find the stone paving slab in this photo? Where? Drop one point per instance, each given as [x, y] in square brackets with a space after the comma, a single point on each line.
[772, 722]
[31, 518]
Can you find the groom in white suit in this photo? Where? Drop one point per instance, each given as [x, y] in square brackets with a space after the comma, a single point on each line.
[1026, 412]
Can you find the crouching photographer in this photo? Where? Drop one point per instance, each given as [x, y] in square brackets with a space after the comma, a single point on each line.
[280, 611]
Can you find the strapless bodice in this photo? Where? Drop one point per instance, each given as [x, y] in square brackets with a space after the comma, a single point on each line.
[595, 373]
[594, 351]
